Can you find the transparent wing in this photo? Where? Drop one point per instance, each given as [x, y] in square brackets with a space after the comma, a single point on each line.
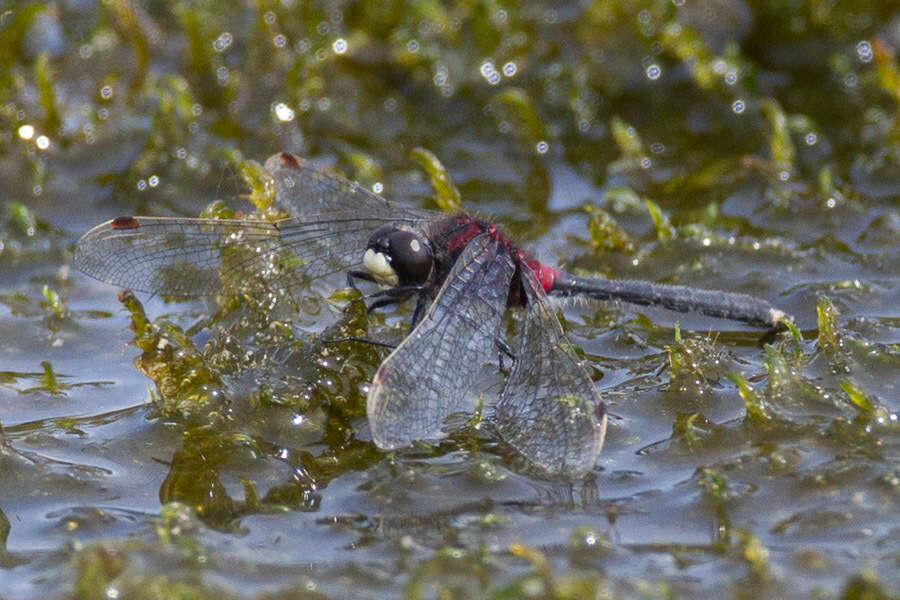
[191, 257]
[430, 374]
[549, 410]
[331, 221]
[303, 189]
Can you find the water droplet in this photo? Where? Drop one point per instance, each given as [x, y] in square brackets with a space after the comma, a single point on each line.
[377, 187]
[731, 78]
[223, 42]
[279, 40]
[284, 112]
[509, 69]
[811, 139]
[412, 45]
[106, 92]
[738, 106]
[153, 181]
[542, 147]
[646, 163]
[653, 72]
[831, 203]
[26, 132]
[42, 142]
[339, 46]
[141, 185]
[864, 51]
[323, 104]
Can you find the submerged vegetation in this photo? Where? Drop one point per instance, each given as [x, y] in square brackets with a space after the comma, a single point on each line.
[745, 146]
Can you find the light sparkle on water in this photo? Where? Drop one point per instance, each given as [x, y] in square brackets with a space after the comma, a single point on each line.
[284, 112]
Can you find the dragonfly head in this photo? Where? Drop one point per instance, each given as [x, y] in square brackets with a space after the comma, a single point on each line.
[397, 256]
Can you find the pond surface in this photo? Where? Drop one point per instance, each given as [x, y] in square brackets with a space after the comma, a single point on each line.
[750, 147]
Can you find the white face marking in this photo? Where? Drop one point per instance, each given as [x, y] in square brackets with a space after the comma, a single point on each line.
[414, 245]
[380, 268]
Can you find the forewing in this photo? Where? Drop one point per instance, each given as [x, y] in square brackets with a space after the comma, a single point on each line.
[549, 410]
[303, 189]
[331, 221]
[430, 374]
[191, 257]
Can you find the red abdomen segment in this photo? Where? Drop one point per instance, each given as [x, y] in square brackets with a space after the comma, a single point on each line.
[545, 275]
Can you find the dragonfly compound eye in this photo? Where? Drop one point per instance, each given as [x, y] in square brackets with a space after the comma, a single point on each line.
[411, 256]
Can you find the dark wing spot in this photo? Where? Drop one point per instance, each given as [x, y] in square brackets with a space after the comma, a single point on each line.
[290, 159]
[125, 223]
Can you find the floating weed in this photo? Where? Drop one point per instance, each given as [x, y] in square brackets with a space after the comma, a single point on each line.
[781, 147]
[185, 387]
[132, 26]
[217, 209]
[692, 363]
[447, 197]
[43, 74]
[606, 234]
[451, 572]
[758, 411]
[715, 485]
[194, 481]
[686, 45]
[630, 145]
[826, 319]
[754, 554]
[261, 184]
[515, 107]
[21, 219]
[869, 410]
[664, 229]
[865, 586]
[691, 431]
[12, 31]
[52, 303]
[888, 76]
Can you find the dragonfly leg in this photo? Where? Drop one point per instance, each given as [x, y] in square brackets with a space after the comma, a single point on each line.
[393, 295]
[352, 276]
[421, 303]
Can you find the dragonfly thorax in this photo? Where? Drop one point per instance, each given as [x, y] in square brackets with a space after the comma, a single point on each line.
[396, 256]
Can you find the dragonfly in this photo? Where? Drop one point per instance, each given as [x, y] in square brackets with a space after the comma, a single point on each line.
[463, 272]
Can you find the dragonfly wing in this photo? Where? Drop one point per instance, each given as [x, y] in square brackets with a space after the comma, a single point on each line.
[430, 374]
[331, 221]
[549, 410]
[191, 257]
[304, 189]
